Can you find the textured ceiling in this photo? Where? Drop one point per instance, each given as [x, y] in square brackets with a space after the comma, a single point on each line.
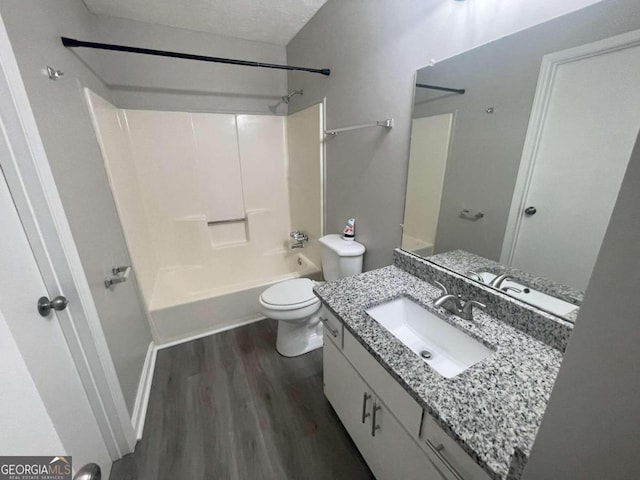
[272, 21]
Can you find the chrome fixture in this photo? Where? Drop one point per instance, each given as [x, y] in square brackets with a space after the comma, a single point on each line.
[45, 305]
[90, 471]
[300, 238]
[285, 99]
[475, 276]
[497, 282]
[388, 123]
[325, 321]
[471, 214]
[365, 397]
[53, 73]
[453, 304]
[511, 289]
[467, 309]
[374, 425]
[120, 275]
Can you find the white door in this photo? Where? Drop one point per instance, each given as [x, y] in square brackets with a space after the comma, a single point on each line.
[67, 418]
[27, 172]
[588, 132]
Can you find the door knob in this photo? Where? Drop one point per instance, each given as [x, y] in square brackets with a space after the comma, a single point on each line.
[45, 305]
[90, 471]
[530, 211]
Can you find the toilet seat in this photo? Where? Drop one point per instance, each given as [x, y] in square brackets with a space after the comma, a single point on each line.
[289, 295]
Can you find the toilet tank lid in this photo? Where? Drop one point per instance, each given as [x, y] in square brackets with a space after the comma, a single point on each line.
[344, 248]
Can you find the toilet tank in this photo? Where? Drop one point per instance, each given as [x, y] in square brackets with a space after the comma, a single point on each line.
[340, 258]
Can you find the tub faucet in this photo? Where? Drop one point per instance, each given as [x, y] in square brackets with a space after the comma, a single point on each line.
[300, 238]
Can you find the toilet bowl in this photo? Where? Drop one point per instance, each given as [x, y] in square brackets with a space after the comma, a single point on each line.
[294, 305]
[297, 310]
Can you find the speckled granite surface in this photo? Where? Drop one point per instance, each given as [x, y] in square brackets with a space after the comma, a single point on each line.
[461, 262]
[493, 409]
[546, 327]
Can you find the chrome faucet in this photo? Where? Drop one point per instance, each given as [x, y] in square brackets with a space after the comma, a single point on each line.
[453, 304]
[300, 238]
[497, 282]
[475, 276]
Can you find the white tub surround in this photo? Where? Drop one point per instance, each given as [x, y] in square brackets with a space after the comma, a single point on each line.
[204, 200]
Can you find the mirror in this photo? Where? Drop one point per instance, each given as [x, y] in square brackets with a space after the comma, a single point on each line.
[516, 164]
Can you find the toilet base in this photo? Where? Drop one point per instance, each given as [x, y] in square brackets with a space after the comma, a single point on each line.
[298, 337]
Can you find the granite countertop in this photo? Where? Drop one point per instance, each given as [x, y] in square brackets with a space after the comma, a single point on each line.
[462, 262]
[493, 409]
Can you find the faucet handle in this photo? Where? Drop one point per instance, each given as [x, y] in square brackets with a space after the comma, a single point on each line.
[475, 276]
[467, 308]
[440, 286]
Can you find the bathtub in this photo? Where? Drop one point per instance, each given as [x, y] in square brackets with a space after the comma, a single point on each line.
[193, 301]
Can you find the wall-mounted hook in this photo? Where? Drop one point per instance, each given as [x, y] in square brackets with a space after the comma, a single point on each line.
[53, 73]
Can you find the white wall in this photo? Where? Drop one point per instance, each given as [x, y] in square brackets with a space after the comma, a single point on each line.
[144, 82]
[373, 50]
[304, 140]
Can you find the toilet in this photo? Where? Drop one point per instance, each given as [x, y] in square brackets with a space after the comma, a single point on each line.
[294, 305]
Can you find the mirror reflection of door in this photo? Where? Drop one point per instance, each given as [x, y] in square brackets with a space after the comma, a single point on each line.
[586, 139]
[430, 138]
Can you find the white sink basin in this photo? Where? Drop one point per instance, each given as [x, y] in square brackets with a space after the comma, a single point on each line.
[533, 297]
[452, 351]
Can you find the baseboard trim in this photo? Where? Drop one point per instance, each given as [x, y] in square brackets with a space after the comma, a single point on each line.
[144, 390]
[211, 331]
[146, 377]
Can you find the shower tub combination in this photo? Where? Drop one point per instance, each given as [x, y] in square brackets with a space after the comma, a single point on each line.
[189, 300]
[207, 202]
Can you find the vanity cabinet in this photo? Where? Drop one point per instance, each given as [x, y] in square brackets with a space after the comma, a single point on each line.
[392, 432]
[387, 448]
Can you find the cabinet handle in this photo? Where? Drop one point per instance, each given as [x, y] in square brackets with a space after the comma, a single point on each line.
[436, 449]
[333, 331]
[365, 397]
[374, 427]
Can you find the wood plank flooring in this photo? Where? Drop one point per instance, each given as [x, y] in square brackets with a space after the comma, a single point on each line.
[229, 406]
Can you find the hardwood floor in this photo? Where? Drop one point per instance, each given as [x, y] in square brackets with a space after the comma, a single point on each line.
[229, 406]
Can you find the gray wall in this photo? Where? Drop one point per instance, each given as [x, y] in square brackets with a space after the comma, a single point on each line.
[486, 149]
[591, 429]
[130, 81]
[374, 49]
[138, 81]
[34, 29]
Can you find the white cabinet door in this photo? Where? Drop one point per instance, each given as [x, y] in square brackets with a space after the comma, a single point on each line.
[349, 396]
[395, 453]
[391, 453]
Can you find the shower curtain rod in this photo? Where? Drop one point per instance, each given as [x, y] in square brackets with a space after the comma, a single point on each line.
[442, 89]
[70, 42]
